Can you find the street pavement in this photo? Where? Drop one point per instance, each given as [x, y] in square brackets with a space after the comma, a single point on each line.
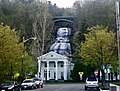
[63, 87]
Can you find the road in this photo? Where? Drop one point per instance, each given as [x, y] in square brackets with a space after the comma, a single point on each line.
[62, 87]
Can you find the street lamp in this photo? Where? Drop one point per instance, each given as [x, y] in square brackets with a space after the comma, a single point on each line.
[22, 72]
[34, 38]
[24, 41]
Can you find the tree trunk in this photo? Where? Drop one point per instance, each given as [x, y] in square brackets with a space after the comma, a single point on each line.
[103, 76]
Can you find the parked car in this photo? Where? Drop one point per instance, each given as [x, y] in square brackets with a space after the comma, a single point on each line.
[28, 84]
[38, 82]
[92, 82]
[10, 86]
[0, 87]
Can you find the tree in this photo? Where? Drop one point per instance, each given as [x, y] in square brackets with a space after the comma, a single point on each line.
[79, 66]
[99, 48]
[29, 20]
[95, 12]
[12, 53]
[42, 26]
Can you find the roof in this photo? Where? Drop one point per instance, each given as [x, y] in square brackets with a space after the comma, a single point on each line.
[52, 56]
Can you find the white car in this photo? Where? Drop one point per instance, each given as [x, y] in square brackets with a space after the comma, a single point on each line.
[28, 84]
[92, 82]
[38, 82]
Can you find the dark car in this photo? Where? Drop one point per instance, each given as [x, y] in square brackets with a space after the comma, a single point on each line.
[10, 86]
[0, 87]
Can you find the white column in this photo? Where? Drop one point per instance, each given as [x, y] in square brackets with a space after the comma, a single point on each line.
[65, 70]
[39, 62]
[56, 70]
[47, 70]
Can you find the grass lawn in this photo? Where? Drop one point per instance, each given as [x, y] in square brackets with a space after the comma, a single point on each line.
[105, 86]
[116, 83]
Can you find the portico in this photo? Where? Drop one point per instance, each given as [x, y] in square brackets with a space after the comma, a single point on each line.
[53, 66]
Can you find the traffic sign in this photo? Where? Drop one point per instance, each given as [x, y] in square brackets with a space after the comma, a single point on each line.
[80, 73]
[96, 72]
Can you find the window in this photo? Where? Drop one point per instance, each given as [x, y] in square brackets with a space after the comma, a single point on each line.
[45, 64]
[45, 73]
[62, 76]
[51, 55]
[49, 73]
[54, 75]
[61, 65]
[61, 73]
[54, 65]
[92, 79]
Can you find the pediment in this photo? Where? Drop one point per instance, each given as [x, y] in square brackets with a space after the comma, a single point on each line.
[52, 56]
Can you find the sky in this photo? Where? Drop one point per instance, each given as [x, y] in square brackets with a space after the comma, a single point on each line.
[63, 3]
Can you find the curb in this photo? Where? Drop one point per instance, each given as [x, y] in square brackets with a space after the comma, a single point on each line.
[117, 87]
[104, 90]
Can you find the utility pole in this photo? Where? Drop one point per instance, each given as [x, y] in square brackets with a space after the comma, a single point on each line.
[118, 30]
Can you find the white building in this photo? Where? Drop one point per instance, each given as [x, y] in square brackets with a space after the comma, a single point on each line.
[53, 66]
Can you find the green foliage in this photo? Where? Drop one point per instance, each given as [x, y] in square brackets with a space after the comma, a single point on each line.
[99, 48]
[22, 15]
[27, 17]
[12, 53]
[80, 67]
[95, 12]
[42, 27]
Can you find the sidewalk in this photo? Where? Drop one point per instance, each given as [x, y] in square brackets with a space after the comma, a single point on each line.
[117, 87]
[104, 90]
[112, 85]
